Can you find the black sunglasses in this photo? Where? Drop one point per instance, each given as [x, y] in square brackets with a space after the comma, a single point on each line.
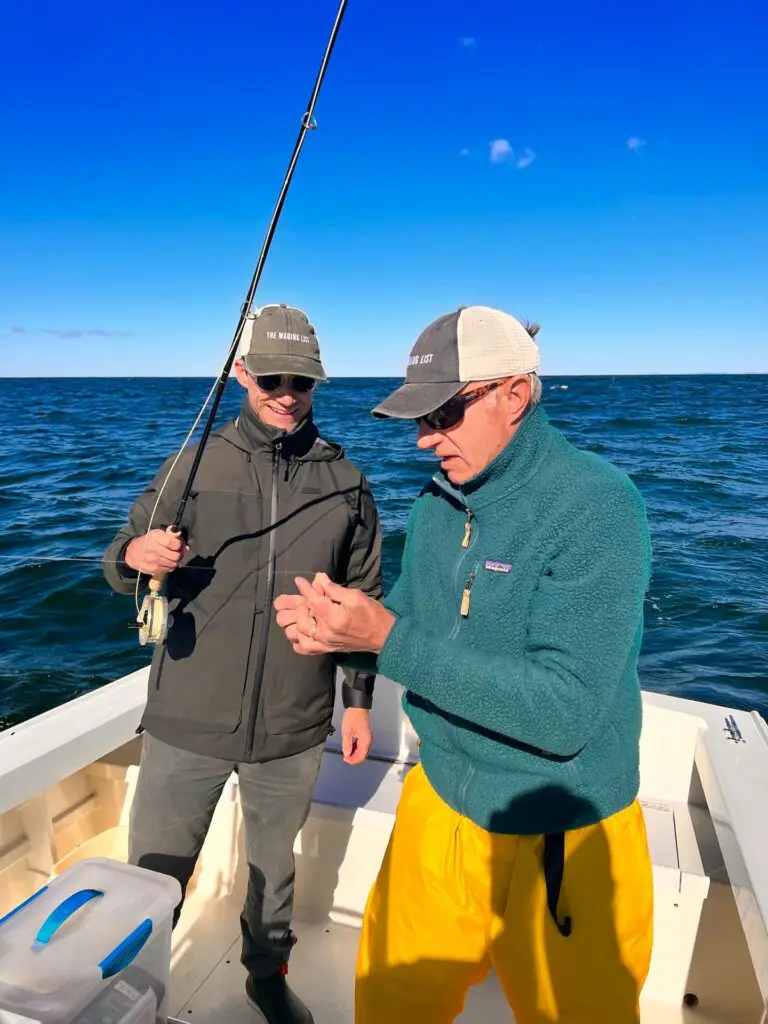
[451, 413]
[272, 381]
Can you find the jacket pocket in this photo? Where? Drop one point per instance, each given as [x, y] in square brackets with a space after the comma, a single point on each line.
[298, 692]
[199, 679]
[227, 529]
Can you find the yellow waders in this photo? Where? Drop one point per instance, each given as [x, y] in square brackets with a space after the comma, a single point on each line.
[453, 900]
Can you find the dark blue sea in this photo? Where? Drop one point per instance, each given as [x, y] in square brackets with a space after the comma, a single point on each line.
[75, 453]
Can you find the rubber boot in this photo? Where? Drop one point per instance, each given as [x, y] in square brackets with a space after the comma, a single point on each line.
[272, 997]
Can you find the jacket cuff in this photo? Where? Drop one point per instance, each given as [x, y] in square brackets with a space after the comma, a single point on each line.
[358, 694]
[124, 570]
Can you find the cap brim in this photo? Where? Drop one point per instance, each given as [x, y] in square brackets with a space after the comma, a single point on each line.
[411, 401]
[257, 363]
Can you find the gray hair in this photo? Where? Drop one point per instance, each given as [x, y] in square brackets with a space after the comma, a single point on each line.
[533, 328]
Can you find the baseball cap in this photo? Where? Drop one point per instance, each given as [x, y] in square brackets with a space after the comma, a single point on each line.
[280, 339]
[476, 343]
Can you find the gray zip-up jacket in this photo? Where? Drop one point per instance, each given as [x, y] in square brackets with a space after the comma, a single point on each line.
[266, 507]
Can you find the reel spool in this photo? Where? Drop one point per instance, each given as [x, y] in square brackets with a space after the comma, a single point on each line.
[154, 619]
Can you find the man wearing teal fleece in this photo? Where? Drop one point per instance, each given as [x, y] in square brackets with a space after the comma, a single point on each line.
[515, 628]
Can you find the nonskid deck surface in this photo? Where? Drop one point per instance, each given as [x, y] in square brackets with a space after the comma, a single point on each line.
[322, 973]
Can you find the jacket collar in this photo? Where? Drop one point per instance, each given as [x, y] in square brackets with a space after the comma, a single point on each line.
[511, 469]
[253, 435]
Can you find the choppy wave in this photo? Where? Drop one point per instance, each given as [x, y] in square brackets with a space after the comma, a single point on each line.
[74, 454]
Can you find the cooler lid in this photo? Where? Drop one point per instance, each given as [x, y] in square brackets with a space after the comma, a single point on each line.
[85, 925]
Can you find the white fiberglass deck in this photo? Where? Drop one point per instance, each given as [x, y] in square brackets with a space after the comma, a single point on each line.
[208, 979]
[66, 782]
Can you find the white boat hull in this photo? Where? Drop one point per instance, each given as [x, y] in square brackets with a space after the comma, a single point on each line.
[66, 779]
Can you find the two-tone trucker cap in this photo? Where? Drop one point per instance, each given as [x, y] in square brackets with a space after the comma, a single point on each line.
[280, 339]
[476, 343]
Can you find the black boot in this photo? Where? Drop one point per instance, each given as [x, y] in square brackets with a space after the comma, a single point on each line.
[275, 1001]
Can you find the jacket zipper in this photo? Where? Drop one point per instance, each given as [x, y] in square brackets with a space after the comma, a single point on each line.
[468, 542]
[266, 615]
[467, 529]
[464, 610]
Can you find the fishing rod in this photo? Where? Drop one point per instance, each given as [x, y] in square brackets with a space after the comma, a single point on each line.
[152, 617]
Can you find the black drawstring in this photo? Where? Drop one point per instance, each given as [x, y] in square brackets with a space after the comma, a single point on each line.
[554, 866]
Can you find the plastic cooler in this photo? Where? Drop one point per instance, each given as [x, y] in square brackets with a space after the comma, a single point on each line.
[91, 947]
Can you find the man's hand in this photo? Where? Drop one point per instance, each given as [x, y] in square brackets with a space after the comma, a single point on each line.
[325, 618]
[156, 553]
[356, 736]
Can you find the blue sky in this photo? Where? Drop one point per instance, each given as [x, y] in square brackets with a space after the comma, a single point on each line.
[603, 170]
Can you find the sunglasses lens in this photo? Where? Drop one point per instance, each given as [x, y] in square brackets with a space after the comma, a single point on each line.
[272, 381]
[447, 416]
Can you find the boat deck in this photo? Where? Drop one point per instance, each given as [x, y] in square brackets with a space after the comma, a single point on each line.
[208, 979]
[66, 786]
[336, 856]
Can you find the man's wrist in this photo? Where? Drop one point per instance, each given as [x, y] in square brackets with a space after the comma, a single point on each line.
[359, 693]
[124, 567]
[385, 620]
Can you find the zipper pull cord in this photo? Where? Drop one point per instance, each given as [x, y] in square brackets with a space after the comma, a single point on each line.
[466, 595]
[467, 529]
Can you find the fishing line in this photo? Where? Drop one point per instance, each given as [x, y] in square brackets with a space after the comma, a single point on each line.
[153, 613]
[39, 562]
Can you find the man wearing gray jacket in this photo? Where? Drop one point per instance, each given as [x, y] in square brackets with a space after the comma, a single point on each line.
[271, 500]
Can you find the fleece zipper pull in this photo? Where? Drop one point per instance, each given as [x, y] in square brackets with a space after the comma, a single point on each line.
[466, 595]
[467, 529]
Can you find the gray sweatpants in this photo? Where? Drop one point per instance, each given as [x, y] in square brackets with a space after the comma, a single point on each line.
[176, 795]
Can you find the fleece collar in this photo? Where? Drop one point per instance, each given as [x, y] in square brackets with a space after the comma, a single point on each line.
[512, 468]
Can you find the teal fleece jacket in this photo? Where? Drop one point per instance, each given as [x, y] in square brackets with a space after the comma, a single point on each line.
[528, 705]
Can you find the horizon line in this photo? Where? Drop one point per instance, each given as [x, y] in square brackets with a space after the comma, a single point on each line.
[331, 379]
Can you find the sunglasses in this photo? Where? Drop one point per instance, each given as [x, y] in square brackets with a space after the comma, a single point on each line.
[272, 381]
[451, 413]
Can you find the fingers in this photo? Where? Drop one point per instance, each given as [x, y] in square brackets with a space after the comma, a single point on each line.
[320, 582]
[307, 624]
[307, 590]
[286, 618]
[355, 748]
[347, 741]
[163, 563]
[321, 607]
[288, 602]
[358, 754]
[305, 645]
[340, 595]
[171, 540]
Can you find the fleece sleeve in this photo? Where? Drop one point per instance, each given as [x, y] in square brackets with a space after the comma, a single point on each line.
[395, 601]
[585, 624]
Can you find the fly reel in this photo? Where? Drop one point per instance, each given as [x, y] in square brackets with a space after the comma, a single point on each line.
[154, 619]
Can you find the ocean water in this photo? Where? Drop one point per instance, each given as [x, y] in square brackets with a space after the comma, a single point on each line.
[75, 453]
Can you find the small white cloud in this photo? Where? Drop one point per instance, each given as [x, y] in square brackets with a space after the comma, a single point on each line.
[635, 144]
[464, 152]
[468, 42]
[525, 160]
[501, 151]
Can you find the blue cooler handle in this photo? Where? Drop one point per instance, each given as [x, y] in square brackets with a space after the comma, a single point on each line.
[121, 955]
[63, 912]
[127, 951]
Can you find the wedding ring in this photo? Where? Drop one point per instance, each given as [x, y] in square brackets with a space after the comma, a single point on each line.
[313, 630]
